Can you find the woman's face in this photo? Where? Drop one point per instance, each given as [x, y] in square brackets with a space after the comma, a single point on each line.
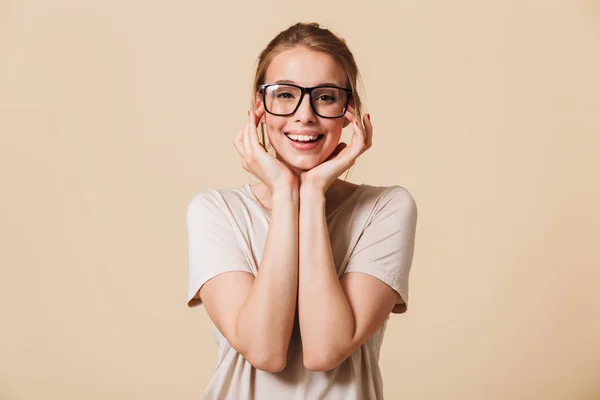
[308, 68]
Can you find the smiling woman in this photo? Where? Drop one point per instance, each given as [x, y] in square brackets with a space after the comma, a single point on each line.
[299, 272]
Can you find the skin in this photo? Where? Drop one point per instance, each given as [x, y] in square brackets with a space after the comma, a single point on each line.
[296, 274]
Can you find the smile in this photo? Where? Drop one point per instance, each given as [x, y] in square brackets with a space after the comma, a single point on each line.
[309, 142]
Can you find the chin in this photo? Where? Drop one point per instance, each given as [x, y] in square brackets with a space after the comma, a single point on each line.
[304, 165]
[304, 162]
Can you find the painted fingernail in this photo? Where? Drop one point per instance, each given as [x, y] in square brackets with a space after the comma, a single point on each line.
[369, 116]
[248, 112]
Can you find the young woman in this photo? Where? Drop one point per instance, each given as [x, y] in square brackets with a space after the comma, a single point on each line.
[300, 271]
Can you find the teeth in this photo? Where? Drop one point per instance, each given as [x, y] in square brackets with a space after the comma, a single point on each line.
[301, 137]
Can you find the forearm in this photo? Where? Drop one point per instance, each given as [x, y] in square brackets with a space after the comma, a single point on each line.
[325, 316]
[266, 319]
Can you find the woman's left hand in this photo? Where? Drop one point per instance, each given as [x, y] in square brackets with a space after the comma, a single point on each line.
[343, 157]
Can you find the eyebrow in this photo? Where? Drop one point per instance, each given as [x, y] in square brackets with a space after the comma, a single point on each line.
[320, 84]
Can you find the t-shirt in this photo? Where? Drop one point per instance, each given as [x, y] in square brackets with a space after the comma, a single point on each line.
[372, 231]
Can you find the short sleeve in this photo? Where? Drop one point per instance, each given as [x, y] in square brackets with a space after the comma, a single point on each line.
[212, 245]
[386, 246]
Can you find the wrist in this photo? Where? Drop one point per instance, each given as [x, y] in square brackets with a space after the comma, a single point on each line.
[285, 184]
[312, 190]
[312, 193]
[285, 193]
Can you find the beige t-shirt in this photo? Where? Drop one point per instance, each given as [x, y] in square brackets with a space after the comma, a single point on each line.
[372, 231]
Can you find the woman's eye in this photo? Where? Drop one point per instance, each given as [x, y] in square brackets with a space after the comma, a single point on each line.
[327, 98]
[285, 95]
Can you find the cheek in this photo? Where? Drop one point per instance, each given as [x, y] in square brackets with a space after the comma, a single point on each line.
[273, 132]
[274, 125]
[335, 130]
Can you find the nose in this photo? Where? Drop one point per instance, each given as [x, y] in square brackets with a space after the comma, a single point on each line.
[305, 113]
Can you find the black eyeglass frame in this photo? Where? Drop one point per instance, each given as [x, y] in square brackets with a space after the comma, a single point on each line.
[305, 90]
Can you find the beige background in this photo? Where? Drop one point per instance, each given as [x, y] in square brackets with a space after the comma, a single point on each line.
[114, 114]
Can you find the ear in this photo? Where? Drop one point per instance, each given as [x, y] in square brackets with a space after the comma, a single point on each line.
[352, 104]
[258, 100]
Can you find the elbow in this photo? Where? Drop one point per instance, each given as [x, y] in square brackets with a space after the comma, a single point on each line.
[321, 361]
[264, 355]
[265, 360]
[268, 364]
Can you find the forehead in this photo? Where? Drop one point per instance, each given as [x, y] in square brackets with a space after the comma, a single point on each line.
[305, 67]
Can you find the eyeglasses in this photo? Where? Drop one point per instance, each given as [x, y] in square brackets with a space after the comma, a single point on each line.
[326, 101]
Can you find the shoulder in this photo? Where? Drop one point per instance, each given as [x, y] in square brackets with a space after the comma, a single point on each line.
[206, 199]
[202, 197]
[219, 195]
[393, 199]
[398, 195]
[215, 201]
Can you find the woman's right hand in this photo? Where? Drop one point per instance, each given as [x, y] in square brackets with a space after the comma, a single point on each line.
[257, 161]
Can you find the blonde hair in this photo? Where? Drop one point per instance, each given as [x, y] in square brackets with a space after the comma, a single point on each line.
[313, 37]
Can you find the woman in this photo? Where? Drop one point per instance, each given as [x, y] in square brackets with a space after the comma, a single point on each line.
[300, 271]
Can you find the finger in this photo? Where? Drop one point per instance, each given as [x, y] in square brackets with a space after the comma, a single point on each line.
[237, 143]
[350, 114]
[253, 133]
[246, 145]
[368, 130]
[358, 139]
[355, 120]
[260, 111]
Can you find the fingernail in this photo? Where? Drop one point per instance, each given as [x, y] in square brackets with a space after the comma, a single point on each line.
[369, 116]
[248, 112]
